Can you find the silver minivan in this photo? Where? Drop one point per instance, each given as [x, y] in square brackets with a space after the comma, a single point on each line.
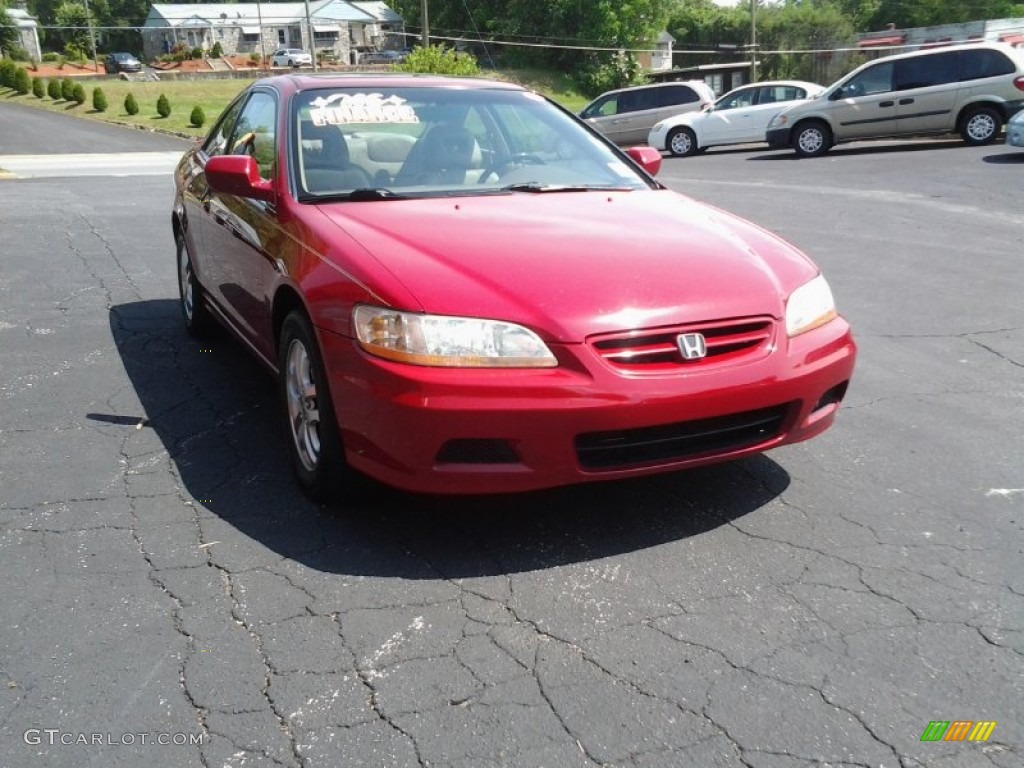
[968, 89]
[627, 115]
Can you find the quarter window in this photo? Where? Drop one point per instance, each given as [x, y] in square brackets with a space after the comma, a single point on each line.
[984, 62]
[671, 95]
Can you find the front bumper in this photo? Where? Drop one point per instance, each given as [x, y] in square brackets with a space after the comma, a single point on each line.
[1015, 134]
[777, 138]
[462, 431]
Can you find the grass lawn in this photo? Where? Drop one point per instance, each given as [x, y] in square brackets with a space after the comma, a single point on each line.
[213, 95]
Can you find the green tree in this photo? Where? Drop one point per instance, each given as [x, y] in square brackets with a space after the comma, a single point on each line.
[163, 106]
[8, 32]
[38, 89]
[74, 35]
[131, 106]
[99, 100]
[438, 60]
[67, 89]
[198, 117]
[53, 89]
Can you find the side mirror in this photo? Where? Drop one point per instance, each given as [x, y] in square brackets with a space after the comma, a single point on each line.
[237, 175]
[647, 158]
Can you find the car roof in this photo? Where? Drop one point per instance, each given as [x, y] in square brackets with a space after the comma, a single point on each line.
[1009, 50]
[308, 81]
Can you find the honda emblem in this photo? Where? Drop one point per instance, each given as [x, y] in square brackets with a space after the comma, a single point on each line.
[692, 346]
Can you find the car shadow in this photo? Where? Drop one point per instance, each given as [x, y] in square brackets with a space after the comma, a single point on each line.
[882, 147]
[214, 410]
[1010, 157]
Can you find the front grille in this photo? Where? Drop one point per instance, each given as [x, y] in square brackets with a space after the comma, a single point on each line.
[657, 349]
[683, 440]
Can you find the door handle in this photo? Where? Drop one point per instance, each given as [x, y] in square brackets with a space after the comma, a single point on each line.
[886, 103]
[906, 101]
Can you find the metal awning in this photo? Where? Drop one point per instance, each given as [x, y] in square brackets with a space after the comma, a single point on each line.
[250, 30]
[325, 28]
[890, 40]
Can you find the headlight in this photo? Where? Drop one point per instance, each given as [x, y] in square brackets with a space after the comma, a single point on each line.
[458, 342]
[778, 121]
[809, 306]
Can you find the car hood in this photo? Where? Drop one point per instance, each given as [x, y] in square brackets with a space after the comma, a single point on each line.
[569, 264]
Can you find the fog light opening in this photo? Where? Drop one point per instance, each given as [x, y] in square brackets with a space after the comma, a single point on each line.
[833, 397]
[477, 451]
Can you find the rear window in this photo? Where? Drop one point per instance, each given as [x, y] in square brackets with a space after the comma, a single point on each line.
[975, 65]
[671, 95]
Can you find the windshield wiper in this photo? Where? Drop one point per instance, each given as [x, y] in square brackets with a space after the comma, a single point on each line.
[374, 193]
[536, 187]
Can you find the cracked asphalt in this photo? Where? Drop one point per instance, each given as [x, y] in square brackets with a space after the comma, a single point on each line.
[170, 599]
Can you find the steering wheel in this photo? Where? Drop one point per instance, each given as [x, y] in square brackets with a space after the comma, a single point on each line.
[519, 158]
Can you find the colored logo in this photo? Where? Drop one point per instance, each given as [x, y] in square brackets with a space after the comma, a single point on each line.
[958, 730]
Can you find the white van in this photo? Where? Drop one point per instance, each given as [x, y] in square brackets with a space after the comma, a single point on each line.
[627, 115]
[969, 89]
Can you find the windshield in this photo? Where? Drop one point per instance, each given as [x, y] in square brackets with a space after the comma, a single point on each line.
[426, 141]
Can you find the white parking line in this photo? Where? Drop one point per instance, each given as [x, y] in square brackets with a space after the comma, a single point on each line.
[114, 164]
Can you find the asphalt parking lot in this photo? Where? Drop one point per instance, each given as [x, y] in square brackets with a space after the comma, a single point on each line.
[171, 599]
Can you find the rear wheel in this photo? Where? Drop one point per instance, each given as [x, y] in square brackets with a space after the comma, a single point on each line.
[193, 310]
[681, 142]
[812, 138]
[314, 442]
[980, 126]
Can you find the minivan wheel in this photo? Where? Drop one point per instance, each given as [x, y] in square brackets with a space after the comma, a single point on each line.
[980, 126]
[812, 139]
[681, 142]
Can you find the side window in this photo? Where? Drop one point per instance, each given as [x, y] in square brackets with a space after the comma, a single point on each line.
[744, 98]
[605, 107]
[773, 93]
[923, 71]
[254, 133]
[217, 142]
[975, 65]
[634, 101]
[877, 79]
[671, 95]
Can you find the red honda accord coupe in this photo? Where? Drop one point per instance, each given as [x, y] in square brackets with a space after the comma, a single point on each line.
[463, 289]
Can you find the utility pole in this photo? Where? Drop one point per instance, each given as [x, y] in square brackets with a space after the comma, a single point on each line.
[92, 37]
[754, 41]
[309, 31]
[425, 41]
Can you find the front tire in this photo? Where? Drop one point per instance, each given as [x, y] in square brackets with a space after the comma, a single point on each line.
[314, 443]
[681, 142]
[980, 126]
[190, 293]
[812, 139]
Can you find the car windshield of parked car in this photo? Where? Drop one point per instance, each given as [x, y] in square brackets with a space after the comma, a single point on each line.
[393, 143]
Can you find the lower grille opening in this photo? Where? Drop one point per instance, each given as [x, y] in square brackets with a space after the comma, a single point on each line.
[683, 440]
[833, 397]
[477, 451]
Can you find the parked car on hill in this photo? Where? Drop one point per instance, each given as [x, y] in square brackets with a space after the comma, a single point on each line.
[462, 290]
[968, 89]
[739, 117]
[115, 63]
[291, 57]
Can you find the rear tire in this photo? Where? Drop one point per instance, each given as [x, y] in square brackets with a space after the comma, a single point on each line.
[681, 142]
[812, 139]
[190, 292]
[981, 126]
[314, 443]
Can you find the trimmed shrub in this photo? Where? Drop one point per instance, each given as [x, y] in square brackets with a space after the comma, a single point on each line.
[51, 56]
[439, 60]
[99, 100]
[254, 59]
[22, 81]
[38, 89]
[217, 51]
[7, 71]
[53, 89]
[67, 89]
[197, 53]
[198, 117]
[78, 93]
[131, 106]
[163, 106]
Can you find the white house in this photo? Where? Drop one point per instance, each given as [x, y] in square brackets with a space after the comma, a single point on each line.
[28, 29]
[340, 28]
